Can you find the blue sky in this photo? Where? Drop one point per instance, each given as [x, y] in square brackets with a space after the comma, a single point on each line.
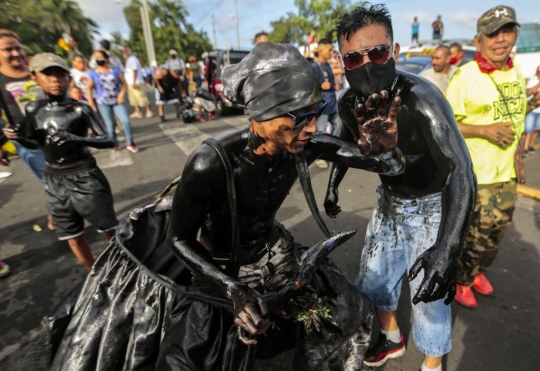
[459, 16]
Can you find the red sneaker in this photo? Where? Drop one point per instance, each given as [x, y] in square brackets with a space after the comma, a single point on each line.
[482, 285]
[465, 296]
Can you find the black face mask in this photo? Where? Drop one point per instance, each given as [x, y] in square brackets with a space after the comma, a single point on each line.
[101, 62]
[173, 56]
[372, 78]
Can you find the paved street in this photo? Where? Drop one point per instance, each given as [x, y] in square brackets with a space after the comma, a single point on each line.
[502, 334]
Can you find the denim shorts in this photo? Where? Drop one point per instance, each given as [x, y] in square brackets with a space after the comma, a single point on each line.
[398, 232]
[532, 122]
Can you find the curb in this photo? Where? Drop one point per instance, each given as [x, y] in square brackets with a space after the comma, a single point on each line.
[530, 192]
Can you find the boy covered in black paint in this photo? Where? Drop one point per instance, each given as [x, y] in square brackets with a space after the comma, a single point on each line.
[76, 187]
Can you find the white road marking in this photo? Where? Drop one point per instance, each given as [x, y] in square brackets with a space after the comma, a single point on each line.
[239, 122]
[108, 160]
[186, 137]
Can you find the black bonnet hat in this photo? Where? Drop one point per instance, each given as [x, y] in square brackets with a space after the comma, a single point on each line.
[272, 80]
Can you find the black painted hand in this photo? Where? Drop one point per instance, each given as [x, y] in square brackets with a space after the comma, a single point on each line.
[378, 131]
[63, 136]
[440, 275]
[250, 313]
[330, 203]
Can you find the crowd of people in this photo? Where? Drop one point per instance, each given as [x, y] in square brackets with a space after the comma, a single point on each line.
[447, 193]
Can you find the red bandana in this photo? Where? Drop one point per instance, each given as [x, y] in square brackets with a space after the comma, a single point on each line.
[487, 67]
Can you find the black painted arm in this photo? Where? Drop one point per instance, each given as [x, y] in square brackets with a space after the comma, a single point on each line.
[25, 131]
[203, 175]
[101, 138]
[448, 149]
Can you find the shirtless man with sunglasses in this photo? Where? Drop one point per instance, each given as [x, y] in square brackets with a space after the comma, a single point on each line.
[421, 216]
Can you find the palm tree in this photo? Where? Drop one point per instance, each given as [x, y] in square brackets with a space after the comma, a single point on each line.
[66, 16]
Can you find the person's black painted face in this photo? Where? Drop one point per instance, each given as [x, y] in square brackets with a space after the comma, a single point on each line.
[280, 132]
[53, 80]
[370, 76]
[173, 56]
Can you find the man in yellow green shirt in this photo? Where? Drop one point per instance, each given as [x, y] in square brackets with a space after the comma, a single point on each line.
[489, 102]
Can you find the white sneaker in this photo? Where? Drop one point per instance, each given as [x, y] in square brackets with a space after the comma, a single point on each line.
[321, 164]
[149, 114]
[135, 115]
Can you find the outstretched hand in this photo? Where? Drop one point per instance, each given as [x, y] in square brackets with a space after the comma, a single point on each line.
[250, 313]
[440, 276]
[378, 130]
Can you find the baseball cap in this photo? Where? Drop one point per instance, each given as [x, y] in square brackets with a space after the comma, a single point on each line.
[495, 18]
[43, 61]
[172, 51]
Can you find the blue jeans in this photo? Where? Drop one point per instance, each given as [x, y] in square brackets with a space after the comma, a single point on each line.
[398, 232]
[108, 112]
[333, 118]
[34, 158]
[532, 122]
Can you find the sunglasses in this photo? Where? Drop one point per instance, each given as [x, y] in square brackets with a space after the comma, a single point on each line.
[378, 55]
[300, 121]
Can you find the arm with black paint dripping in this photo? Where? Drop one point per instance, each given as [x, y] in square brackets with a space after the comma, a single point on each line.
[203, 177]
[448, 149]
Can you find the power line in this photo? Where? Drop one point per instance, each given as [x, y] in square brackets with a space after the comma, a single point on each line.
[207, 14]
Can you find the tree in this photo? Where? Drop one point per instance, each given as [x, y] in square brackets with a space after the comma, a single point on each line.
[317, 17]
[40, 23]
[285, 29]
[170, 29]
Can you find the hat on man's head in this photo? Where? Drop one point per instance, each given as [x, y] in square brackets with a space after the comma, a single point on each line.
[495, 18]
[272, 80]
[42, 61]
[173, 52]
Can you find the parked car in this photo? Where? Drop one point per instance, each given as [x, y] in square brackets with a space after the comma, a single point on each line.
[215, 61]
[417, 58]
[414, 65]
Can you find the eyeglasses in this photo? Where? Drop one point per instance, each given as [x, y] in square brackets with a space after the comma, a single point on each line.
[378, 55]
[300, 121]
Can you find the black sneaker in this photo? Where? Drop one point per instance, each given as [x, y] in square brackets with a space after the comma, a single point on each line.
[163, 119]
[383, 350]
[531, 151]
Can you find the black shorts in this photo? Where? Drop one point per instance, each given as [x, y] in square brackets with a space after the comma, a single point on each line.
[78, 192]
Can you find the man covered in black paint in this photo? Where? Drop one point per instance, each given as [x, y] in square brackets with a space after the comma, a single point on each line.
[421, 215]
[282, 96]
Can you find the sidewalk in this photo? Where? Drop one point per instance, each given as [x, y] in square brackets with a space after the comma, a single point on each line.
[531, 189]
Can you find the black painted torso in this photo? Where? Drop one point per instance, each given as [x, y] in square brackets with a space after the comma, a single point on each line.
[422, 175]
[45, 118]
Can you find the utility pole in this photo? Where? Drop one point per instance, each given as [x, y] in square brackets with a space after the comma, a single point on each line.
[145, 33]
[150, 38]
[237, 24]
[214, 30]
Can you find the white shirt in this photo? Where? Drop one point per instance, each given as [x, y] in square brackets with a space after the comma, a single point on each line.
[176, 64]
[532, 82]
[440, 79]
[77, 75]
[133, 64]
